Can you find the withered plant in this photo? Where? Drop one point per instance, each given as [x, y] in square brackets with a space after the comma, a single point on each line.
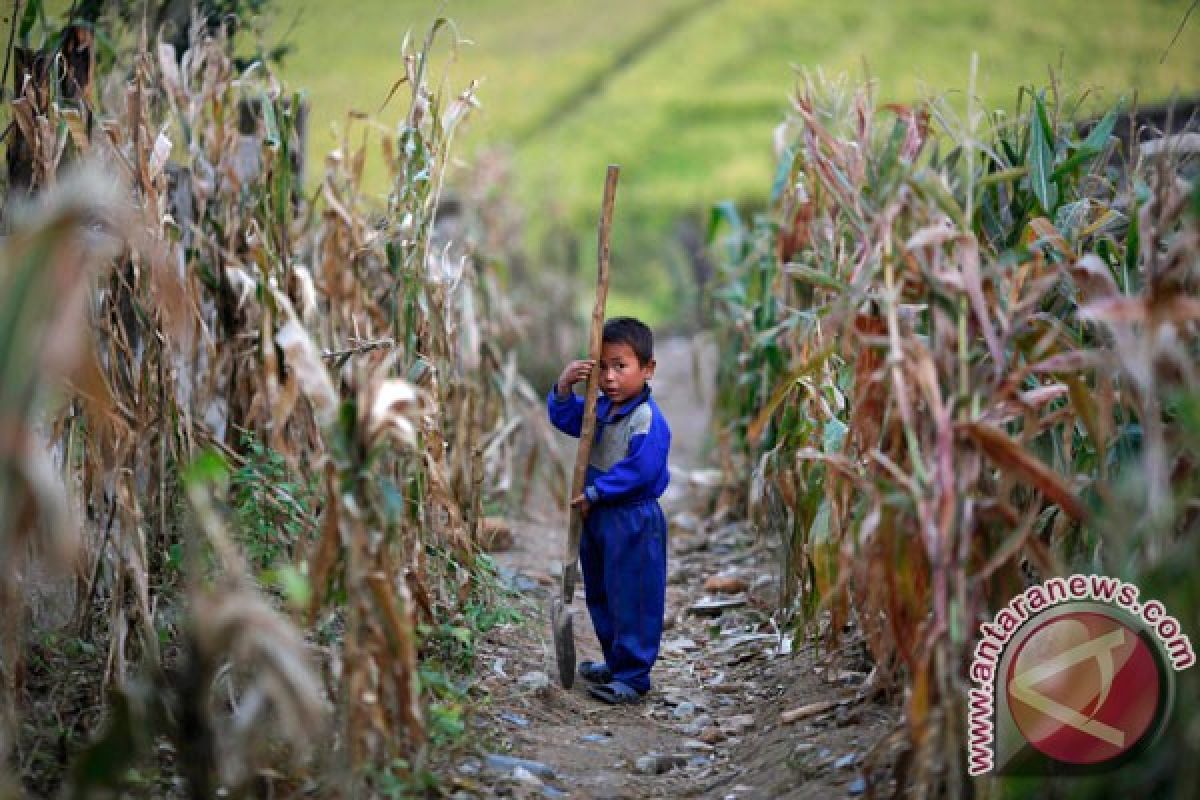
[351, 336]
[958, 355]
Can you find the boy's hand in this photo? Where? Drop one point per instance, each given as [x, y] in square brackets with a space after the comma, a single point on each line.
[573, 373]
[583, 504]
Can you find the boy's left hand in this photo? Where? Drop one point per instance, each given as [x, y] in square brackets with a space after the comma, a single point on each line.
[582, 503]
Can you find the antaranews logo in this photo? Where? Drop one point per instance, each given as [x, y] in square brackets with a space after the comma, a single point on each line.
[1074, 675]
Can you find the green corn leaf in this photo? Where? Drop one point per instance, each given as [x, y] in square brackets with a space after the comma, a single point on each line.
[1091, 147]
[1010, 152]
[891, 153]
[782, 175]
[835, 434]
[1098, 138]
[937, 188]
[1133, 243]
[1004, 176]
[269, 121]
[1080, 157]
[726, 212]
[1041, 159]
[209, 467]
[32, 11]
[814, 276]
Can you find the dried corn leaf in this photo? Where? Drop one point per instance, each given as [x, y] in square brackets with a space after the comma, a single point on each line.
[1011, 455]
[304, 359]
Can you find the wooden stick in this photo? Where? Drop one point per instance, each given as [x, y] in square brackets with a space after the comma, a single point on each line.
[810, 710]
[588, 428]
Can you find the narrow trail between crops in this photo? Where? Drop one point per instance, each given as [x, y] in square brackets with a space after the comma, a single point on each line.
[711, 726]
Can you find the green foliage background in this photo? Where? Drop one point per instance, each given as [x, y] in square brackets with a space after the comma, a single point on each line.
[684, 94]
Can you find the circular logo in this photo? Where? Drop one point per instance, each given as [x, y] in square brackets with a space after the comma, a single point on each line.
[1085, 688]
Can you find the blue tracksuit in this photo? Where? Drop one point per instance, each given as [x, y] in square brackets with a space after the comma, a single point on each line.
[623, 552]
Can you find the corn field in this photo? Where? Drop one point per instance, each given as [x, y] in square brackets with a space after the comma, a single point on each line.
[958, 355]
[250, 435]
[256, 423]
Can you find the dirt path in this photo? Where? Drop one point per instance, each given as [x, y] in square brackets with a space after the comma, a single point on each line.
[711, 726]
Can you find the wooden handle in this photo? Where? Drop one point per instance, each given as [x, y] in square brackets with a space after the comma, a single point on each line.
[588, 429]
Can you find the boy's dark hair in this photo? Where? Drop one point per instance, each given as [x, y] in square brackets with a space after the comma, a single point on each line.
[633, 332]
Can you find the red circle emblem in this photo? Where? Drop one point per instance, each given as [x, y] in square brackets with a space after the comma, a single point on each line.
[1083, 688]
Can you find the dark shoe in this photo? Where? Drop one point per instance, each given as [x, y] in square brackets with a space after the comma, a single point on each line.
[595, 672]
[615, 693]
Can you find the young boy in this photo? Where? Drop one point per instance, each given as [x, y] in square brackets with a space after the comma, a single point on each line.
[623, 552]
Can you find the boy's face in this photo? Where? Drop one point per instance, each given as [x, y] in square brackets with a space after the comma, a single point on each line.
[621, 376]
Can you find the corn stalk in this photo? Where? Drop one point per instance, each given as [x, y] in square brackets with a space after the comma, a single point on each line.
[956, 354]
[362, 346]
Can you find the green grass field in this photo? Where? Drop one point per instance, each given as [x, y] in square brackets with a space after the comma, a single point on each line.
[685, 94]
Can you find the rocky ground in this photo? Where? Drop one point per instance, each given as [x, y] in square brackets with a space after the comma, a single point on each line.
[740, 709]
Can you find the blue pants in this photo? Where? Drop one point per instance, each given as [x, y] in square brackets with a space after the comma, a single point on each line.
[623, 555]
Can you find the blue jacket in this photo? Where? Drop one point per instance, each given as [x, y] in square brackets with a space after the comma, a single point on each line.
[628, 462]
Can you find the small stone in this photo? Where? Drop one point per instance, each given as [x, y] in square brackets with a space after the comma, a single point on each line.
[551, 793]
[656, 764]
[677, 697]
[679, 644]
[678, 577]
[684, 710]
[846, 761]
[706, 478]
[725, 584]
[737, 640]
[685, 520]
[594, 737]
[646, 765]
[533, 681]
[515, 719]
[522, 775]
[712, 735]
[856, 787]
[696, 744]
[739, 723]
[516, 581]
[714, 607]
[730, 687]
[508, 764]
